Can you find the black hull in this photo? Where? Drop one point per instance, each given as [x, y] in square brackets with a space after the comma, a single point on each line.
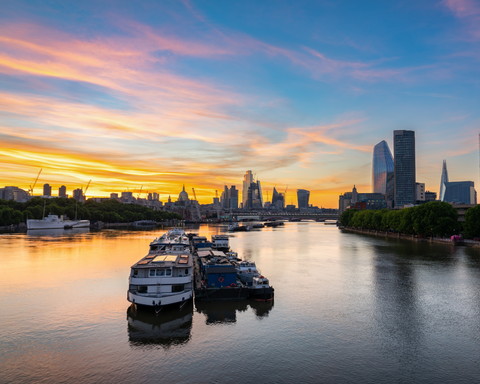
[230, 293]
[264, 294]
[158, 308]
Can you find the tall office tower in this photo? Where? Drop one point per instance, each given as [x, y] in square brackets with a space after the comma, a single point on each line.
[156, 196]
[404, 167]
[247, 180]
[78, 194]
[233, 193]
[278, 199]
[302, 197]
[259, 193]
[383, 171]
[225, 198]
[443, 180]
[62, 191]
[47, 190]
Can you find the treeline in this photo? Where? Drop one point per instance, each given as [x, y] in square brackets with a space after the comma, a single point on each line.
[435, 218]
[112, 211]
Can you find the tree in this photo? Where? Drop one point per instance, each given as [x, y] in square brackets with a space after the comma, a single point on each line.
[472, 222]
[347, 216]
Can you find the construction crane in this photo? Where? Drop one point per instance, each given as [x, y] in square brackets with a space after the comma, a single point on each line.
[139, 193]
[86, 189]
[35, 182]
[197, 206]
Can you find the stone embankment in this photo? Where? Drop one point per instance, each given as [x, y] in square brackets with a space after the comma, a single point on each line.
[393, 235]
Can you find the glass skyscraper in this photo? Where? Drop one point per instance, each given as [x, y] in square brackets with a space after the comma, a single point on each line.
[404, 167]
[443, 181]
[302, 197]
[383, 170]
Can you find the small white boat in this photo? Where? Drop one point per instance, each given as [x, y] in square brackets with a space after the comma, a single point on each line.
[49, 222]
[220, 243]
[261, 289]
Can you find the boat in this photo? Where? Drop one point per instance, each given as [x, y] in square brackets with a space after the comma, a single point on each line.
[49, 222]
[232, 226]
[274, 223]
[145, 223]
[220, 243]
[158, 280]
[260, 290]
[246, 271]
[258, 225]
[69, 224]
[165, 242]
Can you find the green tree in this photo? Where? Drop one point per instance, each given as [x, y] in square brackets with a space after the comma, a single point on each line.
[472, 222]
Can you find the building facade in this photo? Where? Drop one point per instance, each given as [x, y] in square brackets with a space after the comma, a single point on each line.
[383, 171]
[443, 180]
[460, 192]
[47, 190]
[247, 181]
[14, 193]
[420, 192]
[404, 168]
[78, 194]
[303, 197]
[430, 196]
[62, 191]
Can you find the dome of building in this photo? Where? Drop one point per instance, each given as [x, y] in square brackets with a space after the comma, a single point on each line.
[183, 196]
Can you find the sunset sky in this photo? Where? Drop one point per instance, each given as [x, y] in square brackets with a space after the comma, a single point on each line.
[165, 93]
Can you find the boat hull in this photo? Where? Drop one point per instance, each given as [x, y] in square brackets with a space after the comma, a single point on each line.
[41, 224]
[159, 300]
[262, 294]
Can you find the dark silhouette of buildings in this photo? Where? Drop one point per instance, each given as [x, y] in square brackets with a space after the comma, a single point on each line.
[302, 197]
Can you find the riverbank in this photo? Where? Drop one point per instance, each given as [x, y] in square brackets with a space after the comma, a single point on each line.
[393, 235]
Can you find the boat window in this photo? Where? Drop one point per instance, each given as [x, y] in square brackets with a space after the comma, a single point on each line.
[265, 282]
[169, 272]
[186, 271]
[160, 272]
[152, 272]
[135, 272]
[178, 288]
[142, 289]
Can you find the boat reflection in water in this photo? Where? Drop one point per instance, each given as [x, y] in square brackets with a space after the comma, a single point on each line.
[172, 326]
[57, 231]
[261, 308]
[224, 311]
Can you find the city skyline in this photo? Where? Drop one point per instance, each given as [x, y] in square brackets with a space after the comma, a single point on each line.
[157, 95]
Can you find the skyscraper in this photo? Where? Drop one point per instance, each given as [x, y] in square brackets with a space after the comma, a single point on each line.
[383, 170]
[233, 196]
[443, 181]
[47, 190]
[302, 197]
[247, 180]
[62, 191]
[404, 167]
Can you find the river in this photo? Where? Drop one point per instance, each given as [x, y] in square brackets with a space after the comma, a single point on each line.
[348, 308]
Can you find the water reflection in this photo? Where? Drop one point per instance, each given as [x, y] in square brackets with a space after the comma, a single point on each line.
[171, 327]
[261, 308]
[221, 312]
[56, 232]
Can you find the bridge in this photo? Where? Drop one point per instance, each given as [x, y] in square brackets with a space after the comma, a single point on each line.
[286, 216]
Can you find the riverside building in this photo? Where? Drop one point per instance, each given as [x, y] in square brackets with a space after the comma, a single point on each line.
[404, 168]
[383, 171]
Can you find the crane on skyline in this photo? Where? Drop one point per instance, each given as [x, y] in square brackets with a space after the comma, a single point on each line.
[35, 182]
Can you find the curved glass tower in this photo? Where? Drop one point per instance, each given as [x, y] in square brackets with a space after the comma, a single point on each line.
[383, 170]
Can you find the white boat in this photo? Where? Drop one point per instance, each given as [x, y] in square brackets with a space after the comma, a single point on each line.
[173, 237]
[76, 224]
[49, 222]
[232, 226]
[220, 243]
[261, 289]
[163, 279]
[246, 271]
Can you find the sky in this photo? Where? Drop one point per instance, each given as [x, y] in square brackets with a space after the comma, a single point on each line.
[157, 94]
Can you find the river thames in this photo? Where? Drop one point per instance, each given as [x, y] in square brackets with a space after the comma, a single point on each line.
[348, 308]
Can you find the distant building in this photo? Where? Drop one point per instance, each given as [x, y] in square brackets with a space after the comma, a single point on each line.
[383, 171]
[155, 196]
[430, 196]
[14, 193]
[114, 196]
[224, 198]
[404, 167]
[233, 197]
[78, 194]
[443, 180]
[278, 199]
[47, 190]
[216, 201]
[420, 193]
[127, 197]
[183, 195]
[460, 192]
[247, 181]
[62, 191]
[302, 198]
[360, 200]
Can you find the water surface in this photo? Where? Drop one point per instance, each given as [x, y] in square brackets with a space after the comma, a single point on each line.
[348, 308]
